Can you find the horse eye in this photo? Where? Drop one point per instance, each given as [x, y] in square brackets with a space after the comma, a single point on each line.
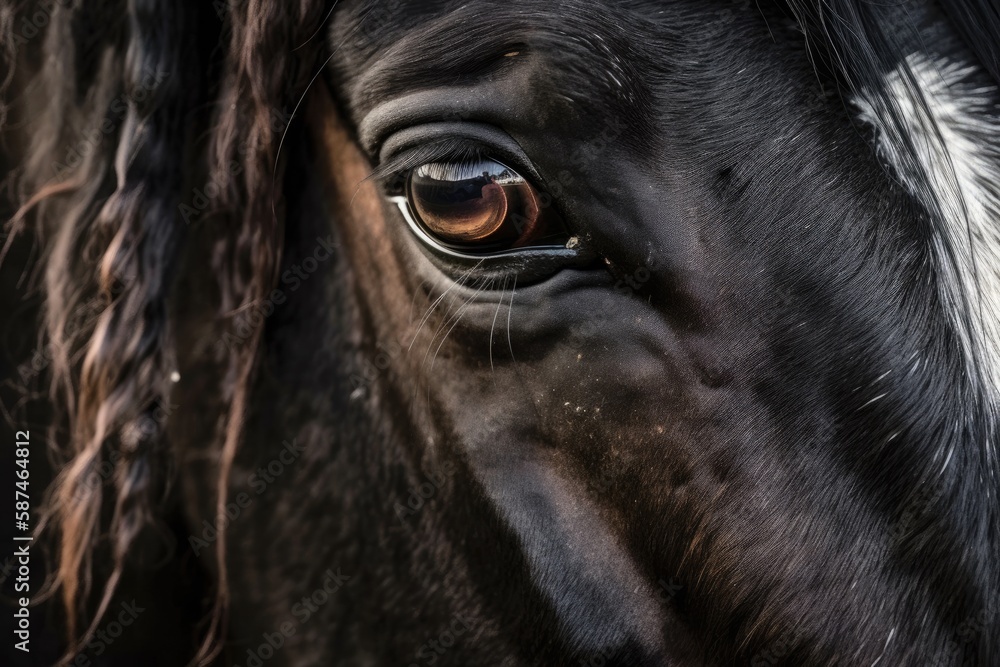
[480, 207]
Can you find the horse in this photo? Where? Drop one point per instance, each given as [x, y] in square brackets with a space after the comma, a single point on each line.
[523, 333]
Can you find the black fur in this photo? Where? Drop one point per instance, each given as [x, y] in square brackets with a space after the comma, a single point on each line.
[745, 433]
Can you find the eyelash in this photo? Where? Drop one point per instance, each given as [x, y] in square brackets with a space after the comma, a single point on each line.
[393, 171]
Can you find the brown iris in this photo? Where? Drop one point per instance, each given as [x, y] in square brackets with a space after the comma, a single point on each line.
[478, 205]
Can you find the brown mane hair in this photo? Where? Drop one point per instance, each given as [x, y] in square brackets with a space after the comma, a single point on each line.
[111, 157]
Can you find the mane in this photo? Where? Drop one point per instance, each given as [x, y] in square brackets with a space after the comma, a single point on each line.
[129, 83]
[126, 84]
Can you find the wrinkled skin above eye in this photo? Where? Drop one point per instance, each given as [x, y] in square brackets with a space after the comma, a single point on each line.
[479, 205]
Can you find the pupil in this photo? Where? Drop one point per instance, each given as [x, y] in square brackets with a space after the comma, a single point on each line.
[469, 202]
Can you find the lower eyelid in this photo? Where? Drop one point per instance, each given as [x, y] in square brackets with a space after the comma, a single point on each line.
[531, 264]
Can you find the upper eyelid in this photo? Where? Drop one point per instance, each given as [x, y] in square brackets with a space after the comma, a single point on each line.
[397, 165]
[446, 150]
[441, 140]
